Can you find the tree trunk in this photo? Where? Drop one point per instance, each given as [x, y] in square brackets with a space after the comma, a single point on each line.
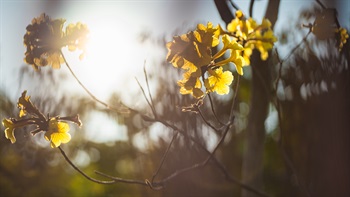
[252, 166]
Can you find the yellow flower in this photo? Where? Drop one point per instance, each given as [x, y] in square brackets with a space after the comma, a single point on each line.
[57, 133]
[191, 84]
[343, 37]
[23, 101]
[192, 52]
[236, 59]
[208, 35]
[219, 81]
[252, 35]
[9, 130]
[76, 36]
[11, 124]
[228, 44]
[240, 26]
[186, 50]
[44, 39]
[264, 41]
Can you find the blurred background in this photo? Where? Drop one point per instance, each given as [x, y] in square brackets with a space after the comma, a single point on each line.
[125, 37]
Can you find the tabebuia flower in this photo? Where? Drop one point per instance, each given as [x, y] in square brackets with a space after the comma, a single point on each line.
[45, 38]
[57, 132]
[55, 128]
[343, 36]
[252, 35]
[193, 52]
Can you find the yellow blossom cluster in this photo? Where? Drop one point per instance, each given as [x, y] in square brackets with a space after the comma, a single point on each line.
[45, 37]
[204, 72]
[343, 37]
[252, 36]
[56, 128]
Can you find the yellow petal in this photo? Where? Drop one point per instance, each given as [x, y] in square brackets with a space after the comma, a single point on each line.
[58, 138]
[9, 129]
[9, 134]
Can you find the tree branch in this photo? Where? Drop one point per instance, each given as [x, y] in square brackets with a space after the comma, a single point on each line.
[119, 110]
[81, 172]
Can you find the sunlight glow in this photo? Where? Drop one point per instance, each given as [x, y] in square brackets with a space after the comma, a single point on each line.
[113, 58]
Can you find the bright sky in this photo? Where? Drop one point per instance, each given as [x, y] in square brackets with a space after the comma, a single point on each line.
[115, 56]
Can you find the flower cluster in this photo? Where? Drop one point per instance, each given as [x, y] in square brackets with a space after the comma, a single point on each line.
[56, 128]
[193, 53]
[45, 37]
[343, 36]
[204, 72]
[252, 35]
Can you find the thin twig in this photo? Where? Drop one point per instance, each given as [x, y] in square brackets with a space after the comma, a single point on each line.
[120, 180]
[206, 121]
[234, 101]
[88, 91]
[144, 95]
[234, 5]
[297, 46]
[149, 91]
[164, 157]
[81, 172]
[251, 5]
[205, 162]
[213, 110]
[321, 4]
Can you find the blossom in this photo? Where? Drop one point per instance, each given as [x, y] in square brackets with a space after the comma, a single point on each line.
[219, 81]
[57, 132]
[191, 84]
[45, 37]
[9, 129]
[22, 104]
[252, 35]
[235, 54]
[343, 37]
[192, 53]
[55, 128]
[11, 124]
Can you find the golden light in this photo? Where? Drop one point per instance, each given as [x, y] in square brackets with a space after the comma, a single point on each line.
[113, 58]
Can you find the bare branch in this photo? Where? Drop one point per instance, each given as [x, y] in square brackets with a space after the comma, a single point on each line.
[321, 4]
[251, 5]
[164, 157]
[298, 45]
[230, 121]
[81, 172]
[234, 5]
[120, 109]
[213, 110]
[144, 95]
[149, 91]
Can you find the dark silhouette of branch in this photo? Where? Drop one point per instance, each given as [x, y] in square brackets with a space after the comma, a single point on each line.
[224, 10]
[321, 4]
[120, 180]
[233, 5]
[213, 110]
[149, 91]
[164, 157]
[232, 116]
[81, 172]
[144, 95]
[251, 5]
